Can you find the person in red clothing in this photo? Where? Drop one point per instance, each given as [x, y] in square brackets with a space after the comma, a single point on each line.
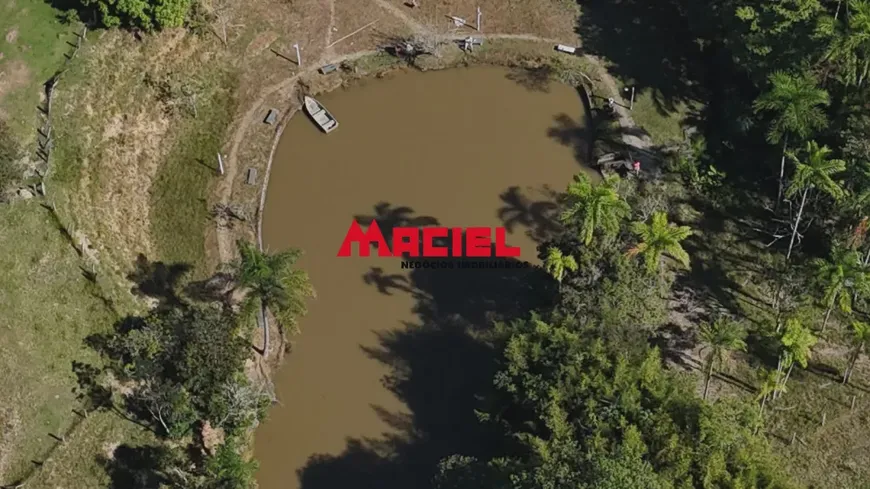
[636, 167]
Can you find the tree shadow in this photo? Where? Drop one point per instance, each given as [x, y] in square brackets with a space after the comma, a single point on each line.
[536, 79]
[140, 467]
[440, 366]
[540, 218]
[591, 139]
[389, 217]
[158, 280]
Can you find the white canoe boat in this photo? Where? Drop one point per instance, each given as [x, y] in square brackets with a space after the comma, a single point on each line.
[320, 115]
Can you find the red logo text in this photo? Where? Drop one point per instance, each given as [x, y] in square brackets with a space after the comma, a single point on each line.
[407, 241]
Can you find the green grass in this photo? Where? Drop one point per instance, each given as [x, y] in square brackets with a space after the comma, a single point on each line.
[84, 457]
[40, 44]
[181, 191]
[663, 126]
[49, 307]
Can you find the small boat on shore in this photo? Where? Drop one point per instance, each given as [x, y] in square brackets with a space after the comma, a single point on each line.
[320, 115]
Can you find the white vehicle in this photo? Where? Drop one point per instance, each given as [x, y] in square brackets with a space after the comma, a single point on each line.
[566, 49]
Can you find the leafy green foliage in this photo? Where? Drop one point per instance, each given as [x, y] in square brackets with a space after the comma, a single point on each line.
[595, 207]
[816, 171]
[797, 104]
[658, 238]
[720, 337]
[592, 416]
[271, 280]
[181, 358]
[557, 263]
[145, 14]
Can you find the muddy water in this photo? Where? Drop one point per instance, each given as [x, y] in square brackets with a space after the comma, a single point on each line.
[381, 382]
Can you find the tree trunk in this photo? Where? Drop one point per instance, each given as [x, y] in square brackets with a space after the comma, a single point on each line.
[778, 377]
[265, 331]
[763, 402]
[709, 376]
[837, 12]
[781, 173]
[855, 356]
[828, 312]
[797, 223]
[788, 374]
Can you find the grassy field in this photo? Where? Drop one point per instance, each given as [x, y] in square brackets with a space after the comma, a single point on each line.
[49, 307]
[33, 42]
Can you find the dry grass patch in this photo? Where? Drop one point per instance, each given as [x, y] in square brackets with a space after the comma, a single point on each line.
[118, 119]
[545, 18]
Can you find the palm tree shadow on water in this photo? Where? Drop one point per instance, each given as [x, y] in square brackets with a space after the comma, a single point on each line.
[440, 366]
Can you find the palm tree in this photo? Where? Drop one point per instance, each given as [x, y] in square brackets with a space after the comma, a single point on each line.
[721, 337]
[843, 271]
[860, 337]
[595, 207]
[770, 385]
[796, 101]
[814, 172]
[660, 238]
[797, 342]
[849, 45]
[270, 281]
[557, 262]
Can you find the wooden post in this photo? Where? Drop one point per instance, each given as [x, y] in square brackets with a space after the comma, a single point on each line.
[220, 164]
[298, 56]
[793, 436]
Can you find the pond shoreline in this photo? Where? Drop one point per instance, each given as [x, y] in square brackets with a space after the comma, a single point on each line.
[502, 55]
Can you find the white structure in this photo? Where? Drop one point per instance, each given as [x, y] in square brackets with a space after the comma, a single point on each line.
[298, 56]
[565, 49]
[478, 18]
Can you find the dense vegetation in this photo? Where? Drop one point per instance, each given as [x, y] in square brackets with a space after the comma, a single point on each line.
[580, 390]
[183, 368]
[145, 14]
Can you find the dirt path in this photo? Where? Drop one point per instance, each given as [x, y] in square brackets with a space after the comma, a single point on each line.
[225, 188]
[625, 120]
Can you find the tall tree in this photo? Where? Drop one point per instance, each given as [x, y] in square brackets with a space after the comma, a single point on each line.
[658, 238]
[842, 272]
[797, 343]
[557, 262]
[815, 172]
[271, 281]
[720, 337]
[769, 386]
[796, 102]
[860, 337]
[594, 207]
[848, 42]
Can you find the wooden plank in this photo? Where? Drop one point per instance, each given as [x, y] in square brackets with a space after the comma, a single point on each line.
[271, 117]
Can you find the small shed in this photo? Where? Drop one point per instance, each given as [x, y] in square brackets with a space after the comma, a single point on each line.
[271, 117]
[327, 69]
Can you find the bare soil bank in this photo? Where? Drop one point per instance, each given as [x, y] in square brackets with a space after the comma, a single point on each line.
[364, 397]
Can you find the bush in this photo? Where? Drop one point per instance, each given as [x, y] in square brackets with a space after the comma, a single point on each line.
[145, 14]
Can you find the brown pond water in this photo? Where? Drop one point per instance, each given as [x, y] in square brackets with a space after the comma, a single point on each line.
[380, 384]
